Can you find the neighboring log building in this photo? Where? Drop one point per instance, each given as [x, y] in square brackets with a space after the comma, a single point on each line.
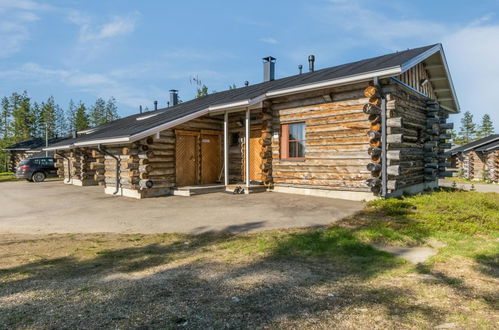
[376, 127]
[28, 148]
[478, 160]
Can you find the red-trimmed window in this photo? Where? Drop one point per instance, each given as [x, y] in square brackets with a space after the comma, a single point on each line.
[293, 141]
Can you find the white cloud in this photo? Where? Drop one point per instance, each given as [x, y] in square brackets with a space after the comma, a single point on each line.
[370, 26]
[472, 56]
[99, 84]
[16, 17]
[12, 37]
[268, 40]
[23, 5]
[116, 26]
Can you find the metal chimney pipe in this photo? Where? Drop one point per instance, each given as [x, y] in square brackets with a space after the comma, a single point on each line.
[155, 105]
[300, 68]
[173, 97]
[269, 68]
[246, 83]
[140, 108]
[311, 60]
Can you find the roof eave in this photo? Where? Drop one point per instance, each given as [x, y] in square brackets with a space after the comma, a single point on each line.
[423, 56]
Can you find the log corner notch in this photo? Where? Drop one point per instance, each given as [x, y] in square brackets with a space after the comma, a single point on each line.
[435, 156]
[266, 146]
[374, 110]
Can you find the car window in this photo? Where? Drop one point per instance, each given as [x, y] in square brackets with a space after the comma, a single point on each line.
[24, 162]
[36, 161]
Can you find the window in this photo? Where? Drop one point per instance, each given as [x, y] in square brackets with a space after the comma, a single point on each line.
[293, 141]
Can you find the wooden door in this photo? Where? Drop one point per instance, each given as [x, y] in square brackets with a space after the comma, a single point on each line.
[255, 157]
[210, 158]
[186, 160]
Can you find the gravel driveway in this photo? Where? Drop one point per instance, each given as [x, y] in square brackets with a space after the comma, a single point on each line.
[54, 207]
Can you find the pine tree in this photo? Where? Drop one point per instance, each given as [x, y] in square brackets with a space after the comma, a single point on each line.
[5, 117]
[61, 123]
[81, 121]
[71, 116]
[48, 117]
[21, 116]
[97, 113]
[468, 128]
[111, 111]
[486, 128]
[37, 129]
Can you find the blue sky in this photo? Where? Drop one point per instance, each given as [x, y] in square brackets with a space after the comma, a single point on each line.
[138, 50]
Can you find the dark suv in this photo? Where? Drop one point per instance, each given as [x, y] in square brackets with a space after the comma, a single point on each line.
[36, 169]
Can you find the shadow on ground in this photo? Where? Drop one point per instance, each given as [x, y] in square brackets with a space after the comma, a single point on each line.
[214, 280]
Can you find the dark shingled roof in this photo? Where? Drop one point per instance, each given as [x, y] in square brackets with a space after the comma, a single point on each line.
[490, 146]
[476, 144]
[130, 126]
[33, 144]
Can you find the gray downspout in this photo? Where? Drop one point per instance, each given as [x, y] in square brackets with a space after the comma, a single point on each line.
[104, 151]
[384, 176]
[69, 164]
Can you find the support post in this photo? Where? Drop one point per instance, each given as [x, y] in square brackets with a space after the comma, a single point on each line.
[226, 148]
[247, 151]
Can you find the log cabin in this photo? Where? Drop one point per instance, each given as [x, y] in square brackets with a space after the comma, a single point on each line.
[29, 148]
[478, 160]
[362, 130]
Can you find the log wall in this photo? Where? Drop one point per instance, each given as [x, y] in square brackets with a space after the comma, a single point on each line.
[417, 138]
[479, 166]
[336, 139]
[15, 157]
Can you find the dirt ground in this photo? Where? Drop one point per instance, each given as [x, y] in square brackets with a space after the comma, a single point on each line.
[225, 281]
[53, 207]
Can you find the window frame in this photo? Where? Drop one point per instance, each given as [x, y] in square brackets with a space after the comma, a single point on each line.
[285, 142]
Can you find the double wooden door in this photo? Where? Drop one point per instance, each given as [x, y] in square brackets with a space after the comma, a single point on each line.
[198, 157]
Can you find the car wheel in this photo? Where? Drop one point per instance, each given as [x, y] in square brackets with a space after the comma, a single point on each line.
[38, 177]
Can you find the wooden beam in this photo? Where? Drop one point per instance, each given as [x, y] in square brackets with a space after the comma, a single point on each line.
[226, 148]
[247, 147]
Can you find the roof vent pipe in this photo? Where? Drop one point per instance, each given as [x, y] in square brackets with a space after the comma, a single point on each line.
[311, 60]
[140, 109]
[246, 83]
[173, 97]
[155, 105]
[300, 68]
[269, 68]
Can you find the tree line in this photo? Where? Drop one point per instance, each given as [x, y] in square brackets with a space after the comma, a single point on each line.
[22, 118]
[469, 131]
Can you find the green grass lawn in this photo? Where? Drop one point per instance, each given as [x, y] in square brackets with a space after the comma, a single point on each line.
[463, 180]
[309, 278]
[7, 176]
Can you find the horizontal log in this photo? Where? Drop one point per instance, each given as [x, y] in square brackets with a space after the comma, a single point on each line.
[394, 122]
[371, 109]
[373, 167]
[373, 135]
[371, 91]
[394, 184]
[447, 126]
[394, 138]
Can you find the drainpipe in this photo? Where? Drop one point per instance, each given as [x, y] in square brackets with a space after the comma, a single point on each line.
[384, 146]
[104, 151]
[69, 164]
